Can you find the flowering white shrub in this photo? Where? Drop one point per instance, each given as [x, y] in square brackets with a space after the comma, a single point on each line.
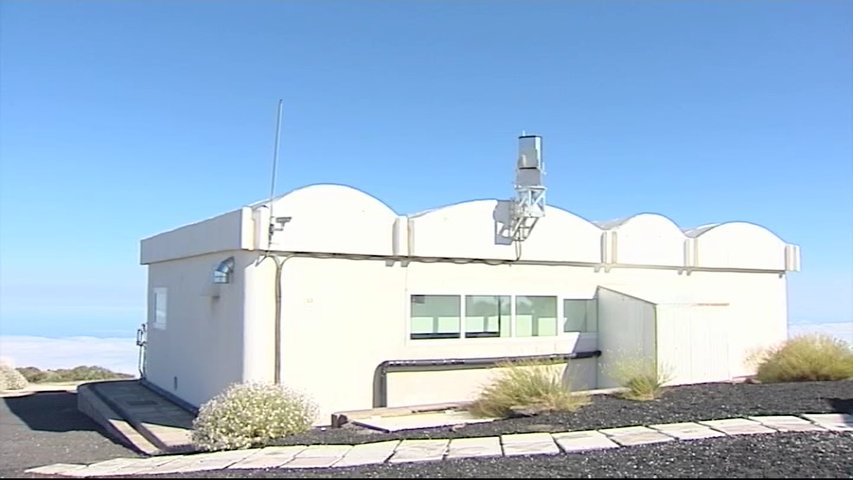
[251, 414]
[11, 379]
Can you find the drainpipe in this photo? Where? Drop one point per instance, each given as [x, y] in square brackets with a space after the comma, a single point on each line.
[380, 375]
[279, 264]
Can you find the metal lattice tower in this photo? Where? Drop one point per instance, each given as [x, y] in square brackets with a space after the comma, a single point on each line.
[529, 204]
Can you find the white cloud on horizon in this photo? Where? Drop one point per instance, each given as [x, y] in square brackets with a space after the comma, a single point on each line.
[116, 354]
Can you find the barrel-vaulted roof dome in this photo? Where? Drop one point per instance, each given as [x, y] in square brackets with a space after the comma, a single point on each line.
[340, 219]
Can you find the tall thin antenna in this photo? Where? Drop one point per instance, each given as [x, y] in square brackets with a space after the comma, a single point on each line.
[274, 165]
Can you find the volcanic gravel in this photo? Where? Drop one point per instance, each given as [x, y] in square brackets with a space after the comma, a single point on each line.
[780, 455]
[687, 403]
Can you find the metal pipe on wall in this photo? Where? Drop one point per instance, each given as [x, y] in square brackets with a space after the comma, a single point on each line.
[380, 374]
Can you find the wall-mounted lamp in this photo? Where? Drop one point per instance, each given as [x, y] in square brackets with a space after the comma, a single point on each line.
[224, 271]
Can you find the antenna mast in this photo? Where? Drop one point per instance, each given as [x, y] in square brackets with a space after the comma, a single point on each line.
[274, 164]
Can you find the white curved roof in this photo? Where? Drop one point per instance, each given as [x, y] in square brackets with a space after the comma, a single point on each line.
[341, 219]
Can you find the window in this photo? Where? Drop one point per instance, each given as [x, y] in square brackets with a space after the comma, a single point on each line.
[580, 315]
[487, 316]
[535, 316]
[435, 316]
[160, 304]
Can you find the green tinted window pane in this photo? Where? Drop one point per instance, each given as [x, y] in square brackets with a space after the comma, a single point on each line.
[579, 315]
[435, 316]
[487, 316]
[536, 316]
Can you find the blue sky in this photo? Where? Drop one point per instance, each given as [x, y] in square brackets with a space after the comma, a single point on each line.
[119, 120]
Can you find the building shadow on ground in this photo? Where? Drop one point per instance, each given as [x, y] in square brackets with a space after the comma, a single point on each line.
[51, 412]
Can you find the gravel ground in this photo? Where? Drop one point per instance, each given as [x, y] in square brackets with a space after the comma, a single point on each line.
[679, 404]
[45, 428]
[787, 455]
[780, 455]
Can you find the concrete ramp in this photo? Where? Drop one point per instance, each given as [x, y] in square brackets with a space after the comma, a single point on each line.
[137, 416]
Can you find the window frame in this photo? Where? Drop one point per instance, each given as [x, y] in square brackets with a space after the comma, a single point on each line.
[513, 317]
[157, 321]
[435, 336]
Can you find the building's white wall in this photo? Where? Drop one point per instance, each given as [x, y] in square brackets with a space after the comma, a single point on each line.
[477, 229]
[342, 318]
[259, 319]
[626, 332]
[202, 345]
[740, 245]
[693, 342]
[649, 239]
[758, 313]
[229, 231]
[333, 219]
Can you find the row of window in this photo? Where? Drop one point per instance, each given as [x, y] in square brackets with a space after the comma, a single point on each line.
[490, 316]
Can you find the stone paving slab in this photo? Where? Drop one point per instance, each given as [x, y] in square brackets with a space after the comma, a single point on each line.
[210, 461]
[787, 423]
[104, 468]
[475, 447]
[368, 453]
[583, 440]
[269, 457]
[56, 469]
[623, 430]
[737, 426]
[318, 456]
[628, 436]
[687, 430]
[419, 451]
[144, 464]
[529, 444]
[839, 422]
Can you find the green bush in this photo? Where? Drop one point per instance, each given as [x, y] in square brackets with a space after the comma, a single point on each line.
[76, 374]
[642, 378]
[11, 379]
[250, 415]
[805, 358]
[532, 386]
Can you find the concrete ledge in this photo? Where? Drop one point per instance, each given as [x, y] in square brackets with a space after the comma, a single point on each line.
[90, 404]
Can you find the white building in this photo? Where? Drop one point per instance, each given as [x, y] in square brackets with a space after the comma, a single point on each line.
[360, 307]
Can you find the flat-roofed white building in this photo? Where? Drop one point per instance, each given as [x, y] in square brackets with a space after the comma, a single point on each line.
[360, 307]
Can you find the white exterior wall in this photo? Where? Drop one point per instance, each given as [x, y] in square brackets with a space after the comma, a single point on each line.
[626, 330]
[342, 317]
[693, 342]
[649, 239]
[358, 312]
[202, 346]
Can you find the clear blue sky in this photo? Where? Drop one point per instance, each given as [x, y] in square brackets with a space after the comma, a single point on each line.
[122, 119]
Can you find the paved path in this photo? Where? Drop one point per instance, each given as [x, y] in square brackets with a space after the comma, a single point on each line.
[407, 451]
[42, 427]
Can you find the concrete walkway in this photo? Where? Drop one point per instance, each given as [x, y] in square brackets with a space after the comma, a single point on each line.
[403, 451]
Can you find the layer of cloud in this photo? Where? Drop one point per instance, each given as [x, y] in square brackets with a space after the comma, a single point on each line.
[116, 354]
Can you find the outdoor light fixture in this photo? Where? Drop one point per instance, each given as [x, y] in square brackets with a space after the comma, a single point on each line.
[223, 272]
